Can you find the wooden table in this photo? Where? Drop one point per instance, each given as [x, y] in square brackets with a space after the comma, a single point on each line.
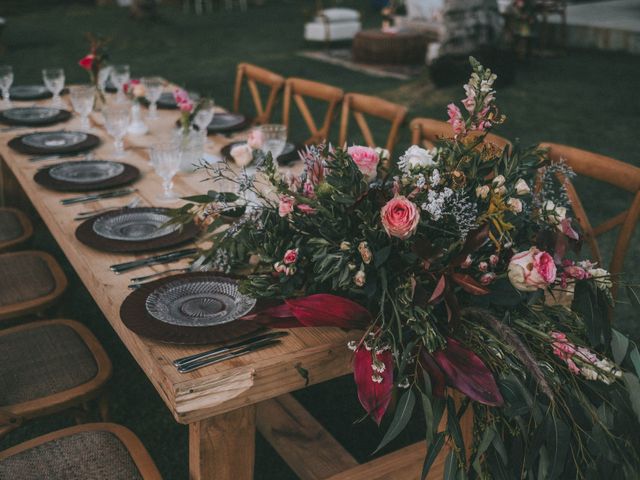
[223, 403]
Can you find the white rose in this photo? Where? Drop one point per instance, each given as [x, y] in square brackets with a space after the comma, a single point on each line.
[383, 153]
[514, 205]
[242, 154]
[554, 215]
[500, 190]
[601, 277]
[416, 157]
[498, 181]
[482, 192]
[522, 188]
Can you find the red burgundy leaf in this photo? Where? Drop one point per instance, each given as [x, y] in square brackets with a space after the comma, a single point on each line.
[373, 396]
[475, 240]
[438, 293]
[469, 284]
[278, 316]
[466, 372]
[326, 310]
[435, 374]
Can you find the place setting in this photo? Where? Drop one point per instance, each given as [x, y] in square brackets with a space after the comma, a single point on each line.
[60, 142]
[86, 175]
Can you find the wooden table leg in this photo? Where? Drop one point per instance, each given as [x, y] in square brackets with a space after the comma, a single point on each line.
[223, 447]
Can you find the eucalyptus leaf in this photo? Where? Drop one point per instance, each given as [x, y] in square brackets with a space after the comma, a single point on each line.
[633, 387]
[432, 454]
[401, 418]
[451, 466]
[619, 346]
[635, 359]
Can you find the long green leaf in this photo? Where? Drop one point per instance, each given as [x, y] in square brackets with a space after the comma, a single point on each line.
[427, 408]
[633, 387]
[619, 346]
[401, 418]
[635, 359]
[453, 425]
[432, 453]
[487, 438]
[451, 466]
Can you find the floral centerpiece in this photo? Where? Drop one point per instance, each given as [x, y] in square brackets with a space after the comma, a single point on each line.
[463, 276]
[95, 61]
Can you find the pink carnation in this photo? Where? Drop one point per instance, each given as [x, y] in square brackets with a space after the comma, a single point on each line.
[366, 159]
[400, 217]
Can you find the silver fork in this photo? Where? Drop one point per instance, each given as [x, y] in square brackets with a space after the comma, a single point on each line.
[90, 214]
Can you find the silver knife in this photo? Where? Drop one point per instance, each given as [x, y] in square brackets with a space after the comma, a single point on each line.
[244, 351]
[155, 260]
[98, 196]
[181, 362]
[42, 158]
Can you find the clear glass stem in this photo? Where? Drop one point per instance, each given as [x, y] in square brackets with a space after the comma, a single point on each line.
[168, 188]
[6, 100]
[153, 111]
[119, 144]
[120, 94]
[84, 122]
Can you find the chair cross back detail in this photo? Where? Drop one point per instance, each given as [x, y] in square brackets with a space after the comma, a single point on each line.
[426, 131]
[360, 105]
[255, 75]
[608, 170]
[298, 89]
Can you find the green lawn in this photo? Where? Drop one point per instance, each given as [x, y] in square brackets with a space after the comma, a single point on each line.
[586, 99]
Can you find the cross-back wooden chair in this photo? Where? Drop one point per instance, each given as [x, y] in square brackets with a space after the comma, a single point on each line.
[608, 170]
[255, 76]
[298, 89]
[425, 132]
[360, 105]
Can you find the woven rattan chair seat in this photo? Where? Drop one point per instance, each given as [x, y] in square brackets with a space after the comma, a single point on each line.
[24, 277]
[10, 226]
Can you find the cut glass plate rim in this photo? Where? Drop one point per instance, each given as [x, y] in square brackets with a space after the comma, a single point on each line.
[67, 138]
[62, 171]
[22, 113]
[102, 228]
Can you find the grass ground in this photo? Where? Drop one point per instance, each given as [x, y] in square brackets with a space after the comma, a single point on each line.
[586, 99]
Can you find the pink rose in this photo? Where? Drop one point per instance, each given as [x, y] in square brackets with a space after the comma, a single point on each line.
[531, 270]
[366, 159]
[290, 256]
[286, 205]
[180, 96]
[574, 271]
[186, 106]
[86, 62]
[255, 139]
[400, 217]
[487, 278]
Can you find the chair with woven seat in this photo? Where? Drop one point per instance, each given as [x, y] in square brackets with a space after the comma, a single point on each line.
[15, 228]
[97, 451]
[47, 367]
[426, 131]
[299, 88]
[358, 105]
[30, 281]
[255, 76]
[613, 172]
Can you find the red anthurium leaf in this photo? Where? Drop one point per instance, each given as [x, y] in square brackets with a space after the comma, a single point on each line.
[326, 310]
[374, 396]
[469, 284]
[568, 230]
[435, 373]
[277, 316]
[466, 372]
[438, 293]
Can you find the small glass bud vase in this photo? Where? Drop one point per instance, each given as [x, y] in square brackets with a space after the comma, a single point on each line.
[137, 126]
[191, 147]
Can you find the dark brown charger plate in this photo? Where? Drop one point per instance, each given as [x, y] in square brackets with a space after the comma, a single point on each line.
[92, 141]
[284, 159]
[86, 235]
[62, 116]
[134, 315]
[128, 176]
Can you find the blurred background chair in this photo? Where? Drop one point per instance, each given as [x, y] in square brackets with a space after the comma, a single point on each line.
[254, 77]
[299, 88]
[30, 281]
[98, 451]
[426, 131]
[50, 366]
[15, 228]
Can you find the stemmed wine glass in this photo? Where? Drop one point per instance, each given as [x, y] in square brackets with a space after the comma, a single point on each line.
[120, 74]
[82, 98]
[54, 81]
[116, 119]
[165, 160]
[274, 139]
[6, 79]
[204, 116]
[153, 90]
[103, 76]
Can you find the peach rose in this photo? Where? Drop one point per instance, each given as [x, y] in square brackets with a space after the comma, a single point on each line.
[241, 154]
[366, 159]
[400, 217]
[531, 270]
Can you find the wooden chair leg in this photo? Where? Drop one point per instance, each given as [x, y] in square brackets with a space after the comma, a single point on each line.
[103, 407]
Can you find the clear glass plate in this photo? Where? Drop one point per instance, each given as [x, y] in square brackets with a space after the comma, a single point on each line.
[87, 171]
[197, 302]
[31, 114]
[134, 226]
[54, 139]
[226, 120]
[28, 91]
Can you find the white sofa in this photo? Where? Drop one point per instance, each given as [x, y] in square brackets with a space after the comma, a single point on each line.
[333, 24]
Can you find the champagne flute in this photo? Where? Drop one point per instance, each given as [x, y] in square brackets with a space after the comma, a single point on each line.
[274, 139]
[54, 81]
[166, 160]
[82, 98]
[153, 90]
[120, 75]
[204, 116]
[6, 79]
[116, 119]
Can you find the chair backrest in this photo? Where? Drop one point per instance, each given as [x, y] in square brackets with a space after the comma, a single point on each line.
[298, 88]
[608, 170]
[255, 75]
[426, 131]
[360, 105]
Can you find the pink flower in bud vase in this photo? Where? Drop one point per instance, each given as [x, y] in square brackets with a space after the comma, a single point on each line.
[290, 256]
[86, 62]
[286, 205]
[531, 270]
[186, 106]
[180, 96]
[366, 159]
[400, 217]
[255, 139]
